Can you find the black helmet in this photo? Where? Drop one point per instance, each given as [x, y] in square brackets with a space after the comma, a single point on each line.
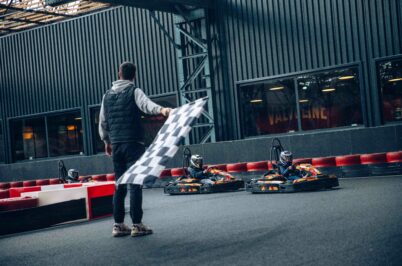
[196, 161]
[286, 157]
[73, 174]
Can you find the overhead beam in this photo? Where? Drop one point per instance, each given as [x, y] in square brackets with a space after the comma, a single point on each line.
[160, 5]
[35, 11]
[23, 20]
[9, 30]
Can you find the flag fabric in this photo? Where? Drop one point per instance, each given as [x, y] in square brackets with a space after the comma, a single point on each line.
[165, 144]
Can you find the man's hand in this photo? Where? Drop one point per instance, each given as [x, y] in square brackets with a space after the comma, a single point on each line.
[165, 111]
[108, 149]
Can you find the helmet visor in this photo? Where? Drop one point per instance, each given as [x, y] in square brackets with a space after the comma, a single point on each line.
[198, 162]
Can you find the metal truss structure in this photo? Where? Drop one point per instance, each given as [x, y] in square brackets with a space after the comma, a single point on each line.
[19, 15]
[192, 42]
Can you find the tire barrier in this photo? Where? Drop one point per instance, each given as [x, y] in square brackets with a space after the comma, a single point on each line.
[29, 183]
[394, 160]
[378, 165]
[54, 181]
[351, 166]
[100, 198]
[302, 160]
[237, 169]
[221, 167]
[99, 178]
[327, 165]
[110, 177]
[255, 170]
[12, 204]
[324, 162]
[176, 172]
[257, 166]
[394, 157]
[17, 191]
[270, 167]
[33, 217]
[16, 184]
[42, 182]
[82, 178]
[37, 207]
[4, 185]
[389, 163]
[4, 194]
[164, 178]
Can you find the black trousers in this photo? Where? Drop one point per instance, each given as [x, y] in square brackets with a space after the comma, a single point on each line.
[124, 156]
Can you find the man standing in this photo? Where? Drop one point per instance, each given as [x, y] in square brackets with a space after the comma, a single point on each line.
[121, 129]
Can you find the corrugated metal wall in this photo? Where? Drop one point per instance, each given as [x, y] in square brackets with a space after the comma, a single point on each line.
[262, 38]
[71, 64]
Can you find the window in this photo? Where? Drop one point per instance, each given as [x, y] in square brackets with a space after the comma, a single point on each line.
[65, 134]
[268, 107]
[389, 75]
[320, 100]
[329, 99]
[151, 123]
[2, 150]
[46, 136]
[28, 139]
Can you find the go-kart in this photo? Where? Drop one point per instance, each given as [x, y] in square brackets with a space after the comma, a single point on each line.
[303, 177]
[217, 181]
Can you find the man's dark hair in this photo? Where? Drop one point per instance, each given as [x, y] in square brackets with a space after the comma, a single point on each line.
[127, 70]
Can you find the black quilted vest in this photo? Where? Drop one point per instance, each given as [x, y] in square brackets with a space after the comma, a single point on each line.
[123, 116]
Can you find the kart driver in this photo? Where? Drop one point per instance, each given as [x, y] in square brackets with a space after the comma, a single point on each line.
[196, 170]
[286, 167]
[72, 176]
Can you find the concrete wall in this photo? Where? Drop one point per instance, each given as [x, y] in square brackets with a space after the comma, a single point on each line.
[312, 144]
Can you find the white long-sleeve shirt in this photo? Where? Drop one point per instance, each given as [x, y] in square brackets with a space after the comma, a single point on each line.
[145, 104]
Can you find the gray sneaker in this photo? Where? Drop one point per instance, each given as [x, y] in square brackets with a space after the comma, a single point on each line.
[120, 230]
[140, 230]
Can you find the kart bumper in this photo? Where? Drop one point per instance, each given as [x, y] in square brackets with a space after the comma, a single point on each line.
[321, 183]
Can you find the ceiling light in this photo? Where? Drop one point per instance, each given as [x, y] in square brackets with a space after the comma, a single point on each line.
[346, 77]
[328, 89]
[256, 101]
[276, 88]
[78, 118]
[395, 80]
[303, 101]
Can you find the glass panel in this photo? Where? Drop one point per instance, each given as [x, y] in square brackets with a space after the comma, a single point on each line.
[65, 134]
[268, 107]
[330, 99]
[28, 139]
[2, 150]
[390, 84]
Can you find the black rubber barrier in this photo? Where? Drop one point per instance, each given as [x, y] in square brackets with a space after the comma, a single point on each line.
[384, 169]
[355, 170]
[41, 217]
[330, 170]
[102, 206]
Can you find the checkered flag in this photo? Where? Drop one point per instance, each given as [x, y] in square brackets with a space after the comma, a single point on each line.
[165, 145]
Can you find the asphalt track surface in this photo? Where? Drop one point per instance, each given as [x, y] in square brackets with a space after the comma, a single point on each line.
[358, 224]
